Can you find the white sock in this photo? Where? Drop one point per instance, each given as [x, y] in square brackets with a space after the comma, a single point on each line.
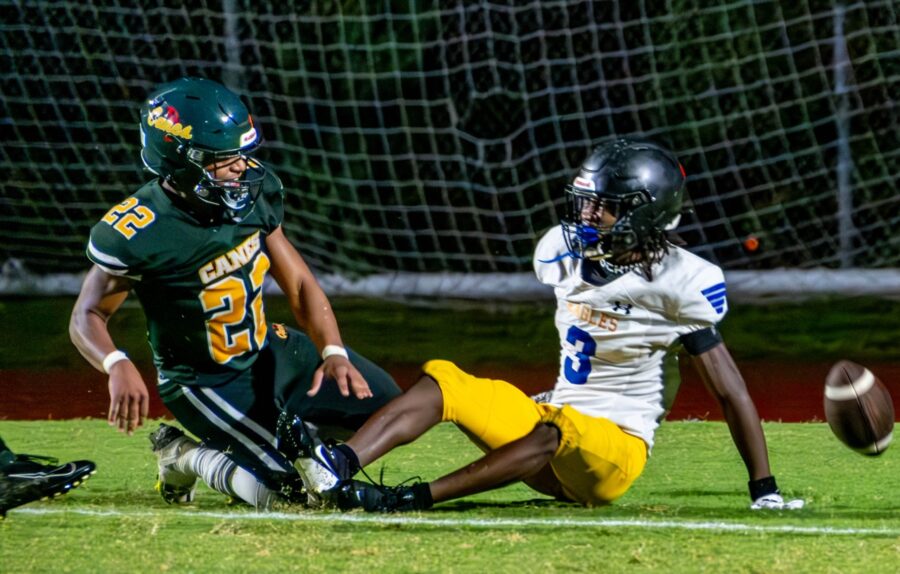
[252, 491]
[223, 475]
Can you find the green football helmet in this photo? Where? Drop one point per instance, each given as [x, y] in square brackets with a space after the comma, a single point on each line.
[638, 182]
[192, 123]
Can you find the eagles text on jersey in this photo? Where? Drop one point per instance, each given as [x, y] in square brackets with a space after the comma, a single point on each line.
[615, 337]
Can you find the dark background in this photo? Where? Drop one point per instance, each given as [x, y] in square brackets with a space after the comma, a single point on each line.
[438, 135]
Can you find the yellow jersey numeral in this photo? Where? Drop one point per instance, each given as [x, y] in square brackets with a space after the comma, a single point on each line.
[226, 299]
[129, 216]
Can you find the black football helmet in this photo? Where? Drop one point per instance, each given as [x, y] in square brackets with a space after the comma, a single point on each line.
[641, 184]
[191, 123]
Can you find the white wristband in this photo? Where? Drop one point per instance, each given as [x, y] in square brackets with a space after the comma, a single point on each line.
[330, 350]
[113, 358]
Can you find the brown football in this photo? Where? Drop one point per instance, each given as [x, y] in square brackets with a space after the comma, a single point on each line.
[858, 408]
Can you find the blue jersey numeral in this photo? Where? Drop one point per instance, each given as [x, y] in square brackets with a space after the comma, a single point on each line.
[578, 367]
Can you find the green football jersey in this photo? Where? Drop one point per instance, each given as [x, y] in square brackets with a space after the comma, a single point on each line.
[200, 285]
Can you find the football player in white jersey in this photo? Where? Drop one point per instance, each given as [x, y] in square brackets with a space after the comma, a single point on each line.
[625, 298]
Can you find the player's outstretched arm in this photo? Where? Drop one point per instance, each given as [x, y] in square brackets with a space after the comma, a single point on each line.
[723, 379]
[313, 313]
[101, 296]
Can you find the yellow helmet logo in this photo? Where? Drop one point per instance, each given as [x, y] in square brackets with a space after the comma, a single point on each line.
[167, 119]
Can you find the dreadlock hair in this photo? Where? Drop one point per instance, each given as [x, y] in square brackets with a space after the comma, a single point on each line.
[653, 249]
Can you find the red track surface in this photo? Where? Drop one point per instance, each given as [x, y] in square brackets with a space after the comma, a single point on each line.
[784, 392]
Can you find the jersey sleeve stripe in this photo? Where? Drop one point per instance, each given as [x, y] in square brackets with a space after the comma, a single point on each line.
[720, 287]
[716, 296]
[104, 260]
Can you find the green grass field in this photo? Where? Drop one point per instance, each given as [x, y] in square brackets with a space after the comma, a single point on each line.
[687, 513]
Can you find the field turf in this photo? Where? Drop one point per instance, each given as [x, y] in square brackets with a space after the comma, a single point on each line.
[687, 513]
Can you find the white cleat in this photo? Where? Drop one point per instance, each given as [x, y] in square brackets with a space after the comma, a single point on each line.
[312, 459]
[169, 444]
[316, 476]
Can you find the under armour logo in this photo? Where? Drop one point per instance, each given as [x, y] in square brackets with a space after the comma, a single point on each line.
[623, 307]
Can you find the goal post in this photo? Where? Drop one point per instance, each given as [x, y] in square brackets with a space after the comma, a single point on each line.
[433, 139]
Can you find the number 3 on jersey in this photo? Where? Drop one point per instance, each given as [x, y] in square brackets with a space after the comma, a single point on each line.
[578, 367]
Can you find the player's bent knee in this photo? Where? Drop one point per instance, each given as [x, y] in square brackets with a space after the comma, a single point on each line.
[491, 412]
[426, 380]
[426, 392]
[459, 390]
[446, 375]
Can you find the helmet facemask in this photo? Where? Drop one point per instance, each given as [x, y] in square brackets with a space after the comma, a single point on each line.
[234, 195]
[622, 203]
[604, 229]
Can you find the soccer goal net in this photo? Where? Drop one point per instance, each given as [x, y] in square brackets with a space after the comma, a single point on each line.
[425, 145]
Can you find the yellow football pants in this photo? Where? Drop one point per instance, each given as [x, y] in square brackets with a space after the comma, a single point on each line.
[596, 461]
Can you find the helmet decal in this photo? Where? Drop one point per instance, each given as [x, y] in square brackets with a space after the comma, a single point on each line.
[248, 137]
[584, 183]
[169, 122]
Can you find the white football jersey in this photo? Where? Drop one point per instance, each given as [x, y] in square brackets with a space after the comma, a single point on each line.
[614, 337]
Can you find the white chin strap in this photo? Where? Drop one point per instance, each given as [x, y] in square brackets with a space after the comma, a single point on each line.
[617, 269]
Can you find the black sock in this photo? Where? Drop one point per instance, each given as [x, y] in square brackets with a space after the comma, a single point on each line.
[351, 459]
[422, 492]
[762, 487]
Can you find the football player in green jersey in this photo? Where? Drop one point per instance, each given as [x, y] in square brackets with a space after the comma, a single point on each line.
[195, 245]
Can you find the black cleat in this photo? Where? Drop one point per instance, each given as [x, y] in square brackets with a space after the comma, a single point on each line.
[27, 479]
[294, 438]
[355, 494]
[321, 467]
[293, 490]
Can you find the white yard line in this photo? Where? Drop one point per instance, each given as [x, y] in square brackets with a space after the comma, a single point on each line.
[407, 520]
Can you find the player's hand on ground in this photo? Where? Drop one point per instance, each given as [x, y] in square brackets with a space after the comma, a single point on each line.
[344, 374]
[775, 501]
[129, 401]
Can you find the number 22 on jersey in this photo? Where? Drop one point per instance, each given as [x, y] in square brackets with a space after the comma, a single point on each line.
[227, 300]
[129, 216]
